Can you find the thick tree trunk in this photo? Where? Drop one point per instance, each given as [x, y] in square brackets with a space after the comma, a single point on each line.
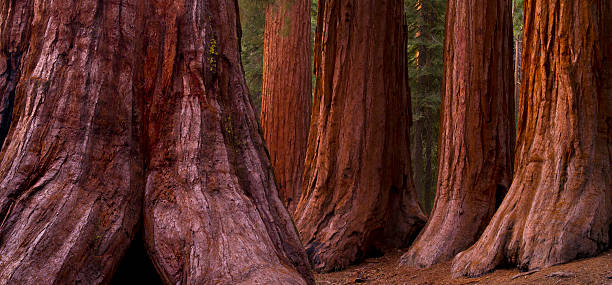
[358, 189]
[286, 100]
[117, 100]
[70, 175]
[477, 129]
[212, 212]
[559, 207]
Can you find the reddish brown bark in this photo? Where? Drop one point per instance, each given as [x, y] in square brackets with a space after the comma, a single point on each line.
[212, 212]
[70, 175]
[286, 100]
[120, 99]
[476, 132]
[15, 20]
[559, 207]
[358, 189]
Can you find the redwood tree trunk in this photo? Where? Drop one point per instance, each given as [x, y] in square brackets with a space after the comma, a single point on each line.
[559, 207]
[358, 189]
[286, 100]
[477, 129]
[70, 174]
[117, 100]
[212, 212]
[15, 19]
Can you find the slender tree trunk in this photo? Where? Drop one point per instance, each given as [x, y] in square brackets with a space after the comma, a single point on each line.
[559, 207]
[429, 171]
[70, 174]
[517, 70]
[418, 163]
[477, 129]
[120, 101]
[212, 212]
[287, 93]
[358, 190]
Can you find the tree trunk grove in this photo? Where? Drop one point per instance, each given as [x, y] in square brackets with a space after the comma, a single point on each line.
[286, 100]
[358, 191]
[477, 129]
[559, 207]
[119, 101]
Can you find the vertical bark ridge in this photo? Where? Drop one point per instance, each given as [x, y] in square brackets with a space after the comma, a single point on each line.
[358, 190]
[15, 23]
[477, 129]
[560, 203]
[212, 212]
[70, 191]
[287, 93]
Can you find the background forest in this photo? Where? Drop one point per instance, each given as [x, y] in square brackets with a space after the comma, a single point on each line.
[425, 26]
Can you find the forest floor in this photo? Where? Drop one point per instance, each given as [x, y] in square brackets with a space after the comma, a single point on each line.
[384, 270]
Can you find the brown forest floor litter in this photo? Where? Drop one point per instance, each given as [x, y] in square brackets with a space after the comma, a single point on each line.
[384, 270]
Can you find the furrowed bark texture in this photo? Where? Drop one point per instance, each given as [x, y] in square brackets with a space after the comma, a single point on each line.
[286, 100]
[358, 191]
[108, 94]
[70, 180]
[212, 213]
[477, 129]
[15, 20]
[559, 207]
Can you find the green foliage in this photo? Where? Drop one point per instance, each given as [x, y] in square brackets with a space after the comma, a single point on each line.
[517, 18]
[425, 27]
[252, 20]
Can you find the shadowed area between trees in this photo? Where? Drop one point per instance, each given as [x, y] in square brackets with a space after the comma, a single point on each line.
[136, 265]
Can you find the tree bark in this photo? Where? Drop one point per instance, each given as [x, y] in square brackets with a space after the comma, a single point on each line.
[358, 191]
[418, 163]
[287, 94]
[429, 172]
[71, 178]
[477, 129]
[212, 212]
[15, 19]
[120, 101]
[559, 207]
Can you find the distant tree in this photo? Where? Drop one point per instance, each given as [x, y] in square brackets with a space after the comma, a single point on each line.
[477, 138]
[287, 93]
[517, 18]
[425, 25]
[358, 193]
[559, 207]
[252, 20]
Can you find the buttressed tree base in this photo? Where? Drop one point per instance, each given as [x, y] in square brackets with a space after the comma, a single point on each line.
[358, 195]
[130, 107]
[559, 207]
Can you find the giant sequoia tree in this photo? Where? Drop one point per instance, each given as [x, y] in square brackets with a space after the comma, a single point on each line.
[477, 129]
[286, 100]
[559, 207]
[116, 101]
[358, 190]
